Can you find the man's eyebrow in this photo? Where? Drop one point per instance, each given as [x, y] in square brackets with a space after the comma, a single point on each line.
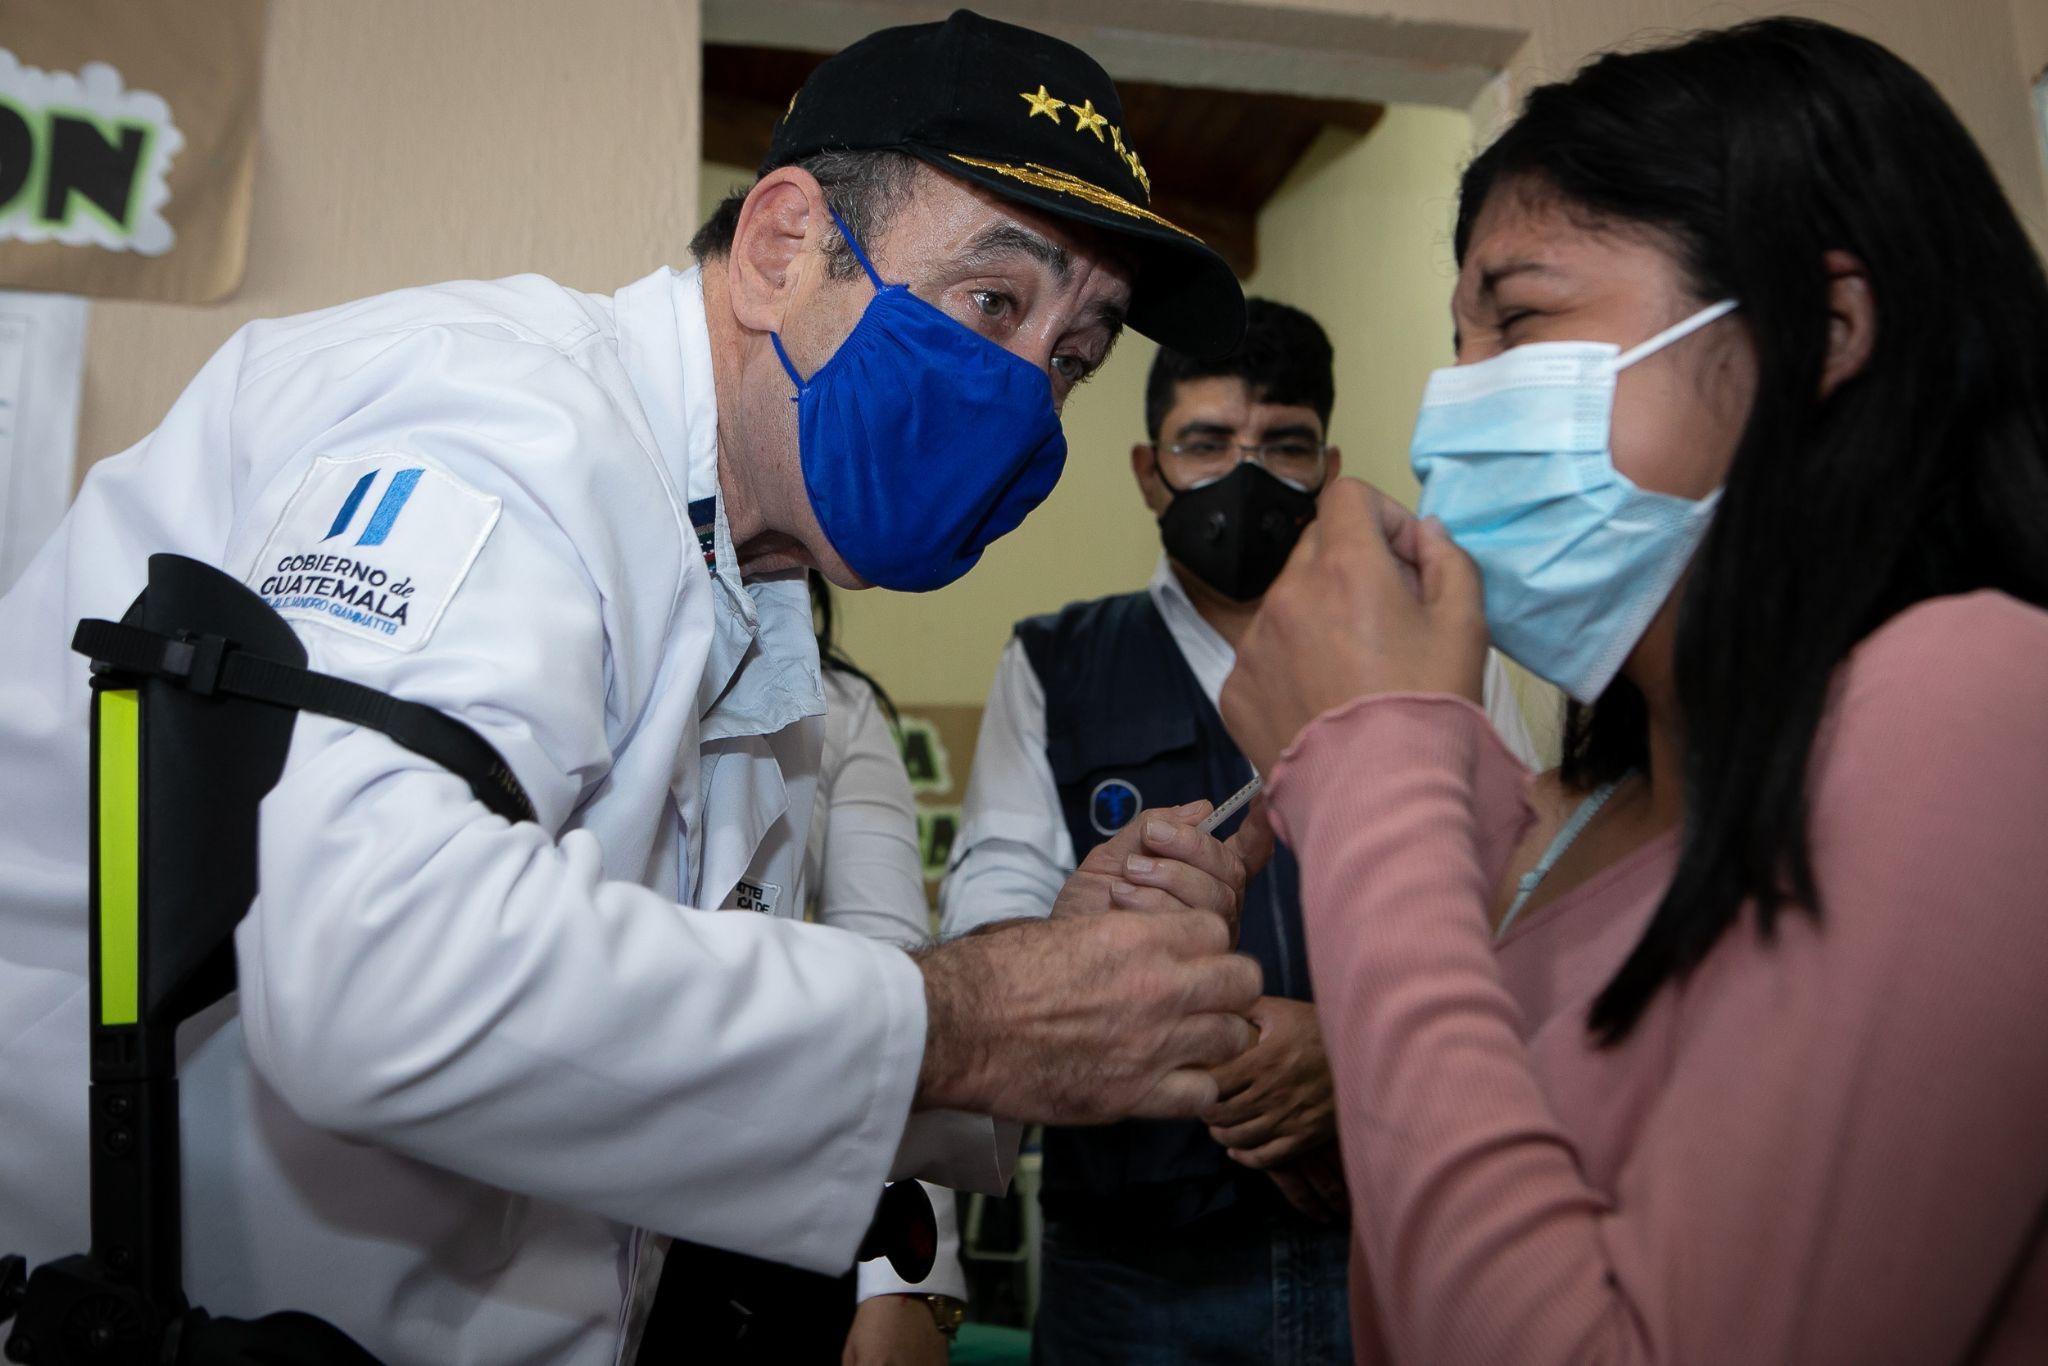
[1013, 239]
[1288, 431]
[1110, 318]
[1203, 427]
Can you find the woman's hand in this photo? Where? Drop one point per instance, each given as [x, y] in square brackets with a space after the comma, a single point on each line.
[1372, 601]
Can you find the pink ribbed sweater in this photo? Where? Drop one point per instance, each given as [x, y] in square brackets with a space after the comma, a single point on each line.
[1831, 1146]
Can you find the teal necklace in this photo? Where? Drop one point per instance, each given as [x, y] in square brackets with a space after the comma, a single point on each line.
[1573, 828]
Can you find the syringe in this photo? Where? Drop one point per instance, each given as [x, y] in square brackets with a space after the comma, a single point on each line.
[1231, 804]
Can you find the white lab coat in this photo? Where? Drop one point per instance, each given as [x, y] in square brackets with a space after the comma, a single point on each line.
[471, 1059]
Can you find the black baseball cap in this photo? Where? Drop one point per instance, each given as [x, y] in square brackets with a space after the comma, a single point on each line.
[1032, 119]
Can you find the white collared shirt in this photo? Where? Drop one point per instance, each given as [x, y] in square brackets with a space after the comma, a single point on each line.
[1013, 851]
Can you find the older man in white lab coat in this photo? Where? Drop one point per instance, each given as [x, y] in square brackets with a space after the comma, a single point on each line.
[477, 1074]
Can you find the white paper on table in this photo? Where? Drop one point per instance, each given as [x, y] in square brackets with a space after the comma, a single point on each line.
[42, 368]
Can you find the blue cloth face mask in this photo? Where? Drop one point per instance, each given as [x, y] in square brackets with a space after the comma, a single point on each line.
[921, 441]
[1514, 460]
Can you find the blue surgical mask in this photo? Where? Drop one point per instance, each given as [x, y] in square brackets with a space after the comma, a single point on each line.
[921, 441]
[1514, 460]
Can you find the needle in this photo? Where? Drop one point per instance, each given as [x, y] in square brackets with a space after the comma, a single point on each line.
[1230, 805]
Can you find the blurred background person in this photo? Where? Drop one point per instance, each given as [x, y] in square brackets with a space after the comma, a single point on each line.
[862, 873]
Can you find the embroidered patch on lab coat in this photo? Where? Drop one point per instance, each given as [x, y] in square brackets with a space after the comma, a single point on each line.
[375, 546]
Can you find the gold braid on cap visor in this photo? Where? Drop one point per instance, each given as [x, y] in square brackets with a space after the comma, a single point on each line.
[1046, 178]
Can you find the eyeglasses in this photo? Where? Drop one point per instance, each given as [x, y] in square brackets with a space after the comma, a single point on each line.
[1299, 462]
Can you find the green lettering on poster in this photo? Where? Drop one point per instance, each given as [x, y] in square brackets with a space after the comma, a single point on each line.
[924, 755]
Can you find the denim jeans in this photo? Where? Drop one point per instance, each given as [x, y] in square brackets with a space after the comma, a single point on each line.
[1247, 1286]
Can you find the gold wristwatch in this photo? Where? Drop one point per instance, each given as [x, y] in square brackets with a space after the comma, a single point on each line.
[947, 1314]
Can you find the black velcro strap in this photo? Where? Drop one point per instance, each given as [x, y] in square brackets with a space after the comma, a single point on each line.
[132, 650]
[209, 664]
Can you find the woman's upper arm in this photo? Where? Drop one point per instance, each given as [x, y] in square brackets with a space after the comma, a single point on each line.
[1860, 1101]
[873, 878]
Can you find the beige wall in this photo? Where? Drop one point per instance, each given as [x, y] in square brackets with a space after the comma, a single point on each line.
[1360, 236]
[2030, 36]
[405, 142]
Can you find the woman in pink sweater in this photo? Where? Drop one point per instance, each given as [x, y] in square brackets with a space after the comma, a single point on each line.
[1727, 1041]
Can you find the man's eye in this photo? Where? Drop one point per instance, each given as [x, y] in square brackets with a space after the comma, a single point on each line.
[1203, 450]
[1072, 369]
[1293, 450]
[993, 303]
[1513, 316]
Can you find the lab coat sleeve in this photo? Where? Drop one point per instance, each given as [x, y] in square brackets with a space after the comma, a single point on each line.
[1013, 852]
[418, 974]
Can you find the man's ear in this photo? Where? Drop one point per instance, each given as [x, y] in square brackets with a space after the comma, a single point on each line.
[1145, 466]
[769, 258]
[1333, 465]
[1852, 320]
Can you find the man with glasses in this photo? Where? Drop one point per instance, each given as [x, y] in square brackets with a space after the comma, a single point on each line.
[1216, 1240]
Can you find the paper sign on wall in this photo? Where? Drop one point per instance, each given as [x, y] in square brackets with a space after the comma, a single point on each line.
[127, 146]
[42, 364]
[937, 744]
[83, 160]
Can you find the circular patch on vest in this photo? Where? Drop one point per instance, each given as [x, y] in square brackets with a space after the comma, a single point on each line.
[1112, 804]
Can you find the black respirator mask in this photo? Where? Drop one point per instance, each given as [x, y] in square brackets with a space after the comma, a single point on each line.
[1235, 533]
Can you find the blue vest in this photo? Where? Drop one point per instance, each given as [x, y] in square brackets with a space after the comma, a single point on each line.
[1127, 726]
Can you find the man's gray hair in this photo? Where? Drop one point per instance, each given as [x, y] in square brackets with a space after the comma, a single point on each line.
[866, 189]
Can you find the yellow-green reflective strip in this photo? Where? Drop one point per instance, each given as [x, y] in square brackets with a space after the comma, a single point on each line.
[120, 855]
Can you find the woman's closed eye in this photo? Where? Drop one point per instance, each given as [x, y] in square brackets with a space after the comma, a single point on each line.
[1509, 317]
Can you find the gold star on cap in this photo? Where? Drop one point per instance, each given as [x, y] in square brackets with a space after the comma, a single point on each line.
[1042, 103]
[1086, 117]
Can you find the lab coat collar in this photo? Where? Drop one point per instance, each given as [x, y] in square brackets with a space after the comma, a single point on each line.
[761, 671]
[666, 349]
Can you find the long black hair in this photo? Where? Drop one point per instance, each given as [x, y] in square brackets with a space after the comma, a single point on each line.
[832, 655]
[1755, 150]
